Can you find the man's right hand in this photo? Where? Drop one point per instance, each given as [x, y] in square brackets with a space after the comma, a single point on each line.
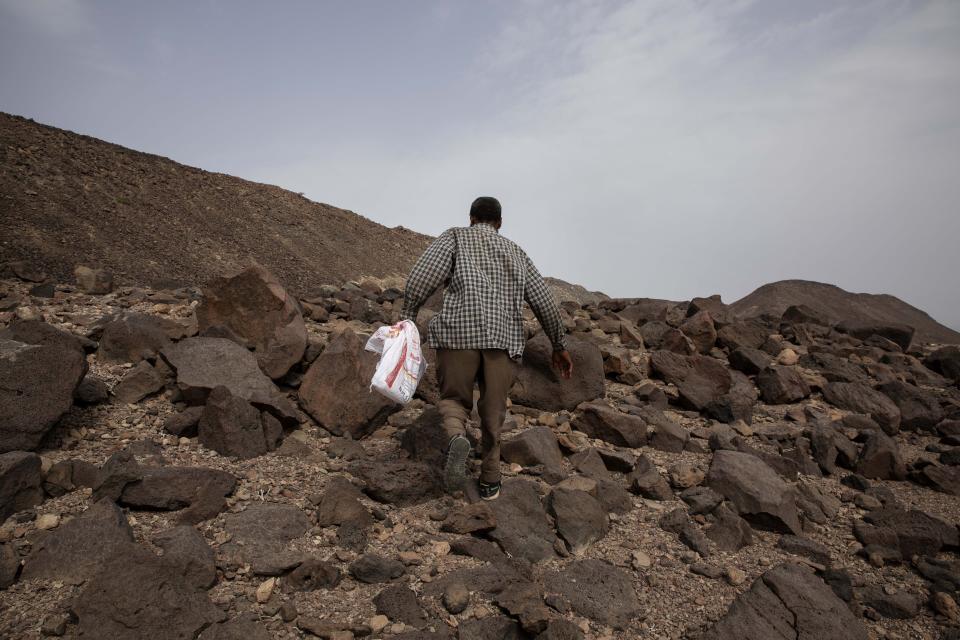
[563, 363]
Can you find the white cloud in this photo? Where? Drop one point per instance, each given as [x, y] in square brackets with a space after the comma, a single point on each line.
[672, 149]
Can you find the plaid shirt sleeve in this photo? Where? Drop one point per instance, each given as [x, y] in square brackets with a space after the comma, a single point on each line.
[544, 305]
[430, 271]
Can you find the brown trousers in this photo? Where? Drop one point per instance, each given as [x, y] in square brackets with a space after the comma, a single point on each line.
[457, 370]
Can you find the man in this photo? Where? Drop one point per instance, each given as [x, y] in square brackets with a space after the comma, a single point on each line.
[478, 333]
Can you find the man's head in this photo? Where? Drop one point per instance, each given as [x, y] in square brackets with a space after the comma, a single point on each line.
[485, 209]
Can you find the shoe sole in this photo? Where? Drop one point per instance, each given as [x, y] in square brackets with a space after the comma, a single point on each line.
[455, 470]
[489, 498]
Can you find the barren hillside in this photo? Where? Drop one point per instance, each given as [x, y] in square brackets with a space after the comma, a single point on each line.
[67, 198]
[837, 304]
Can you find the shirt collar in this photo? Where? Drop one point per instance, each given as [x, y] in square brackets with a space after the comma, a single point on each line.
[485, 226]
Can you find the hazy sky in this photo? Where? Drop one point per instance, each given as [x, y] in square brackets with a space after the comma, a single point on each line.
[661, 148]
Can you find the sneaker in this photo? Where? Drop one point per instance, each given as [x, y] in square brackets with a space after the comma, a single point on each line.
[489, 490]
[455, 469]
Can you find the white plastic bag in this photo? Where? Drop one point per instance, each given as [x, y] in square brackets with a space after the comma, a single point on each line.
[401, 362]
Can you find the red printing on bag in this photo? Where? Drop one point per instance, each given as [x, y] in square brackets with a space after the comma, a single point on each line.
[396, 370]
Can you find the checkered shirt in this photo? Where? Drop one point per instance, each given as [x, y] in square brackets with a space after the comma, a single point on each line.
[488, 278]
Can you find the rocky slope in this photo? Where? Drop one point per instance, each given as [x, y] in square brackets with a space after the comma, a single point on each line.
[835, 305]
[210, 463]
[69, 198]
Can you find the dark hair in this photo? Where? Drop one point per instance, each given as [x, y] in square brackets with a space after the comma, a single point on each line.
[485, 209]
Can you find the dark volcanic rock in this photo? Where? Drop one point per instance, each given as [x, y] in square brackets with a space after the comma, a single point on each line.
[340, 504]
[470, 518]
[20, 482]
[490, 628]
[37, 383]
[371, 568]
[203, 364]
[533, 446]
[231, 426]
[93, 281]
[91, 390]
[184, 423]
[580, 519]
[313, 574]
[399, 603]
[880, 458]
[401, 483]
[244, 627]
[919, 409]
[185, 548]
[522, 527]
[749, 361]
[699, 328]
[74, 551]
[782, 385]
[597, 590]
[858, 397]
[601, 421]
[336, 388]
[647, 481]
[253, 309]
[138, 383]
[946, 362]
[729, 531]
[757, 491]
[171, 488]
[132, 337]
[788, 602]
[913, 532]
[538, 384]
[9, 565]
[901, 334]
[136, 595]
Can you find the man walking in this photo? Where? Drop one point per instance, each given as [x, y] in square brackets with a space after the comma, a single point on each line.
[478, 333]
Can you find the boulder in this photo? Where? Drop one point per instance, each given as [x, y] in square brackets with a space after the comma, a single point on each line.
[371, 568]
[946, 362]
[901, 334]
[699, 328]
[253, 309]
[880, 458]
[749, 360]
[133, 337]
[471, 518]
[492, 627]
[782, 385]
[600, 420]
[522, 530]
[540, 386]
[91, 390]
[647, 481]
[184, 424]
[597, 590]
[172, 488]
[399, 603]
[336, 388]
[401, 483]
[138, 383]
[942, 478]
[203, 364]
[136, 595]
[37, 383]
[701, 381]
[313, 574]
[185, 549]
[9, 565]
[231, 426]
[340, 504]
[788, 602]
[243, 627]
[41, 333]
[579, 517]
[533, 446]
[861, 398]
[729, 531]
[913, 532]
[749, 334]
[667, 435]
[759, 494]
[20, 482]
[93, 281]
[919, 409]
[75, 551]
